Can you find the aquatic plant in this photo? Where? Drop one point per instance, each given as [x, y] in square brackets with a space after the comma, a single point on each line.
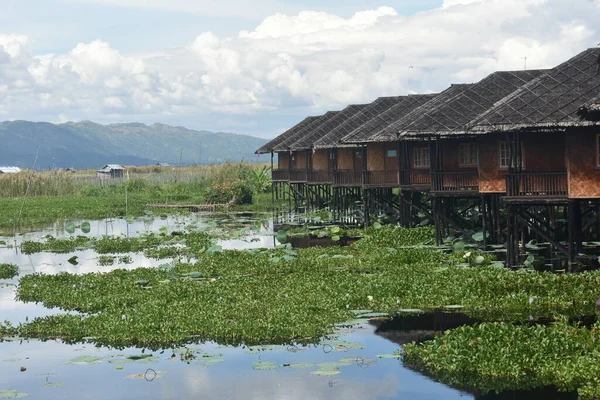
[495, 357]
[56, 245]
[8, 271]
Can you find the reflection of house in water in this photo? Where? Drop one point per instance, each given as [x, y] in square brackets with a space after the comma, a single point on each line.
[412, 327]
[111, 171]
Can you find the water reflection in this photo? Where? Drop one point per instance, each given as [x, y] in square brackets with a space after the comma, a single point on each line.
[234, 378]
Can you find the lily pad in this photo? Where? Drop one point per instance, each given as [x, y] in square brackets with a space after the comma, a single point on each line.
[85, 227]
[374, 315]
[211, 360]
[410, 310]
[12, 360]
[12, 394]
[389, 356]
[301, 365]
[85, 360]
[148, 375]
[264, 365]
[360, 312]
[121, 361]
[70, 227]
[454, 307]
[345, 362]
[326, 372]
[54, 384]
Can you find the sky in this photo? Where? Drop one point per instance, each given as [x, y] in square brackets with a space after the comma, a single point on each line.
[260, 67]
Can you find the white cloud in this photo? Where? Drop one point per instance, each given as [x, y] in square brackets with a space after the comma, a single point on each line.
[237, 8]
[308, 62]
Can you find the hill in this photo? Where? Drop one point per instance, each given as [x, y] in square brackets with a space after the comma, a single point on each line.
[89, 145]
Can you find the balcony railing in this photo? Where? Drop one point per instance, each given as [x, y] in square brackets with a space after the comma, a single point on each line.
[537, 184]
[318, 176]
[348, 178]
[382, 178]
[455, 181]
[278, 175]
[298, 175]
[415, 177]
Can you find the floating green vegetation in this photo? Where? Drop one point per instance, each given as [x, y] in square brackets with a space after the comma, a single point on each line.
[244, 297]
[8, 271]
[105, 261]
[495, 357]
[191, 243]
[56, 245]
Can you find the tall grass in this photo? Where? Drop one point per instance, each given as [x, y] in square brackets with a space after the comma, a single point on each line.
[162, 181]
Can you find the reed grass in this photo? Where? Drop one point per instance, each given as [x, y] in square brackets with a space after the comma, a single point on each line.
[31, 198]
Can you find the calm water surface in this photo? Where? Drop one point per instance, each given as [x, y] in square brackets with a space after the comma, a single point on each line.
[226, 372]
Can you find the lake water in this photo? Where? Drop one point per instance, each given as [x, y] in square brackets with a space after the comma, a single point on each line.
[55, 370]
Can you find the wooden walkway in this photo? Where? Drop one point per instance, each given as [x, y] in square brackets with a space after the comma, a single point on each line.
[190, 207]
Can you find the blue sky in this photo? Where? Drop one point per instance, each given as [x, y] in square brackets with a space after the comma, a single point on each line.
[260, 67]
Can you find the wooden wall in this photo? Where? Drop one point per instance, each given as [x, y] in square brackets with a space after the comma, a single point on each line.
[320, 160]
[451, 155]
[301, 158]
[283, 160]
[492, 179]
[345, 158]
[544, 152]
[375, 156]
[583, 173]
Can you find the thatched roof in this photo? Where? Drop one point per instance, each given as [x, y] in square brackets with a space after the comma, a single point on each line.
[379, 106]
[391, 131]
[566, 96]
[310, 137]
[285, 144]
[269, 146]
[453, 116]
[408, 103]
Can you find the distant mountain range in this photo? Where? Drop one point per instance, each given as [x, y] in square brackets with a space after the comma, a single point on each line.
[89, 145]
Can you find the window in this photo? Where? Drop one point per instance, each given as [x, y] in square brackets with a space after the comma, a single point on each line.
[504, 155]
[469, 156]
[598, 150]
[391, 153]
[359, 154]
[332, 155]
[421, 157]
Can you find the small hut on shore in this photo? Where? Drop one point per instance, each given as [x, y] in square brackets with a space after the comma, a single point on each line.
[9, 170]
[110, 171]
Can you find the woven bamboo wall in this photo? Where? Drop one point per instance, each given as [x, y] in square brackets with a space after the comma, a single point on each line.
[492, 179]
[345, 158]
[321, 160]
[283, 160]
[375, 157]
[300, 160]
[583, 174]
